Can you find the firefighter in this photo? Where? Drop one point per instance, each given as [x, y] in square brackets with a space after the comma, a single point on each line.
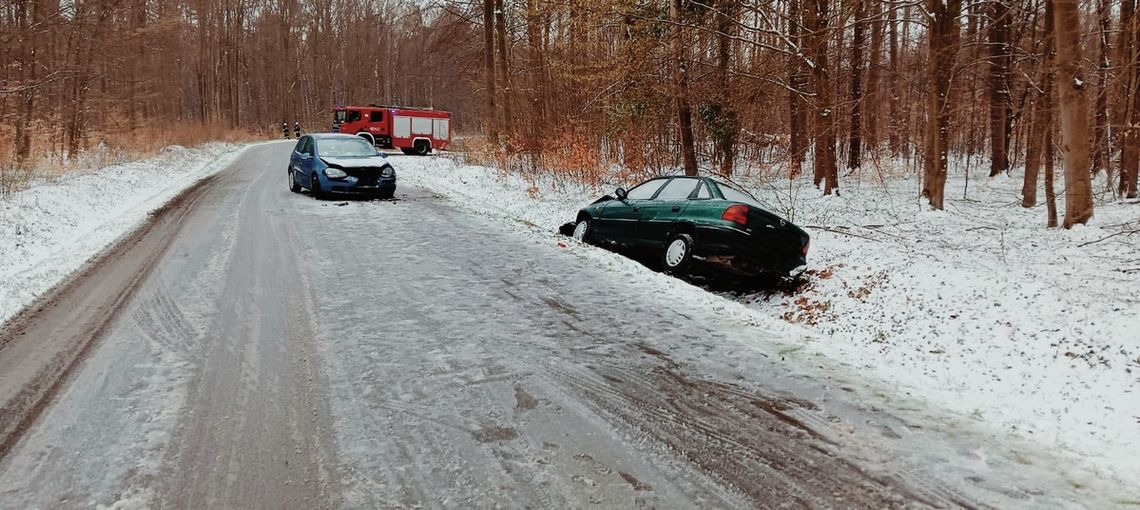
[285, 130]
[297, 128]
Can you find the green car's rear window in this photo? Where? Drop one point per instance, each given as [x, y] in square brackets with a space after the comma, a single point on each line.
[737, 195]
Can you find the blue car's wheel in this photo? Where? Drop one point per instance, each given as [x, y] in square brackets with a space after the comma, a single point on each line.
[293, 186]
[315, 187]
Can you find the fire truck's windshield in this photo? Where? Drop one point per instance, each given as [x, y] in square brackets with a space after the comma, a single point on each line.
[338, 116]
[342, 116]
[345, 148]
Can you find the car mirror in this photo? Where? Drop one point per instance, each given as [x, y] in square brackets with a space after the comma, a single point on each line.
[621, 193]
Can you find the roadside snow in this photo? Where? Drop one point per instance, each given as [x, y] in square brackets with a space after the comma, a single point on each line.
[52, 228]
[978, 309]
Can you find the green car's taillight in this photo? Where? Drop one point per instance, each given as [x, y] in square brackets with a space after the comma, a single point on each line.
[737, 214]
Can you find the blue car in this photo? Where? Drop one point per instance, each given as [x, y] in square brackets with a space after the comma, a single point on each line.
[332, 164]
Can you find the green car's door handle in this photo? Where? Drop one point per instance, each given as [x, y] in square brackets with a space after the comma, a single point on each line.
[635, 209]
[676, 208]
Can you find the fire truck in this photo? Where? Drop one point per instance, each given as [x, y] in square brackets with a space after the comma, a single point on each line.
[412, 130]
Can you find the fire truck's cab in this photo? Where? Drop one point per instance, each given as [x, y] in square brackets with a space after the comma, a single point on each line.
[412, 130]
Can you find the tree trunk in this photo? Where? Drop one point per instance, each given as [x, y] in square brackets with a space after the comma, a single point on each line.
[875, 80]
[797, 110]
[1073, 101]
[1130, 121]
[489, 120]
[28, 16]
[726, 127]
[892, 23]
[1033, 154]
[1100, 130]
[823, 122]
[1047, 107]
[854, 139]
[681, 91]
[943, 36]
[1000, 61]
[1050, 192]
[504, 66]
[537, 64]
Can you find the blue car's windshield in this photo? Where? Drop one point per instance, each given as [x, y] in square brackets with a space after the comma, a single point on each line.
[345, 148]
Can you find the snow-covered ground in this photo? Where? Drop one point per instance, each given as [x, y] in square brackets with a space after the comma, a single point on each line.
[978, 309]
[52, 228]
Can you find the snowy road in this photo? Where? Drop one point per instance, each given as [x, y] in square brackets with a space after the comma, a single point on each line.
[254, 348]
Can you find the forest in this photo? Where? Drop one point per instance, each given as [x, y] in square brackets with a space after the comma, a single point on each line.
[1042, 90]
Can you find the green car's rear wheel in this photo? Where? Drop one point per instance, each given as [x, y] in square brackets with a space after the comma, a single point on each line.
[678, 253]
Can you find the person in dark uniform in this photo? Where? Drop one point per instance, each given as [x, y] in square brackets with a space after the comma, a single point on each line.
[285, 130]
[297, 128]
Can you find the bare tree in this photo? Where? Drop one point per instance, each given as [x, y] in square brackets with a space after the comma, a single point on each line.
[491, 114]
[1100, 146]
[797, 109]
[1047, 119]
[1000, 57]
[681, 91]
[944, 34]
[723, 126]
[823, 122]
[504, 64]
[854, 138]
[1074, 105]
[1129, 110]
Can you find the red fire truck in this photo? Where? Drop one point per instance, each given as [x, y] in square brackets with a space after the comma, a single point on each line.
[412, 130]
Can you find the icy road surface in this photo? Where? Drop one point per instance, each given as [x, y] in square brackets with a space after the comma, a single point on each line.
[254, 348]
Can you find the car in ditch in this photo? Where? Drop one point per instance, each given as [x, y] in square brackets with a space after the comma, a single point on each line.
[338, 164]
[690, 220]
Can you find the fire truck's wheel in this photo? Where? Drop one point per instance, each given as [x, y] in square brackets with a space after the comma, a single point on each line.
[422, 147]
[293, 186]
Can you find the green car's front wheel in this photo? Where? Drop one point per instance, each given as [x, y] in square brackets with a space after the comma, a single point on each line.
[678, 253]
[582, 230]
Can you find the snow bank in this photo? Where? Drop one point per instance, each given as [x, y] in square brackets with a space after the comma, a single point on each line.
[978, 309]
[52, 228]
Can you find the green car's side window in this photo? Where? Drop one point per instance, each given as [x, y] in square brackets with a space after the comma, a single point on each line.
[702, 192]
[678, 189]
[645, 190]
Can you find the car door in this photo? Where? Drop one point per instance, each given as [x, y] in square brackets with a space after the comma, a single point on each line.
[295, 158]
[618, 221]
[657, 215]
[305, 159]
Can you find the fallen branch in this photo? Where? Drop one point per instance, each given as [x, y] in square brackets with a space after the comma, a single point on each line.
[829, 229]
[1110, 236]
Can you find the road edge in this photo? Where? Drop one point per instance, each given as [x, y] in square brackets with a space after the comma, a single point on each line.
[44, 374]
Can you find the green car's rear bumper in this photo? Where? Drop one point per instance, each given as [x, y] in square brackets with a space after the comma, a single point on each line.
[777, 250]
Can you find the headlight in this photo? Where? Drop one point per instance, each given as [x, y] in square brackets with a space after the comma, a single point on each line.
[335, 173]
[387, 172]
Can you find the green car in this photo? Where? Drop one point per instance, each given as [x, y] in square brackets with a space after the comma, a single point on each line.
[695, 219]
